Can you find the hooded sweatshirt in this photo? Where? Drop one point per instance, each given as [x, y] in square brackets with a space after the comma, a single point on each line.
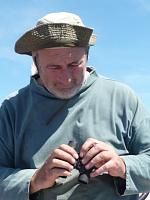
[33, 122]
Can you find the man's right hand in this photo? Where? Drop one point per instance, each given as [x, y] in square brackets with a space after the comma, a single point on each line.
[59, 163]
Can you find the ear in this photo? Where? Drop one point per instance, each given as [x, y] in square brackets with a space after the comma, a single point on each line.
[33, 69]
[35, 57]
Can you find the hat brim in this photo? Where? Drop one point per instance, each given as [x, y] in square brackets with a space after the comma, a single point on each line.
[54, 35]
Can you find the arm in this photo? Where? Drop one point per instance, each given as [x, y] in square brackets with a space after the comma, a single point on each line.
[138, 162]
[14, 182]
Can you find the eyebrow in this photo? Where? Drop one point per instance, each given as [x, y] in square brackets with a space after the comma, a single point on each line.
[74, 62]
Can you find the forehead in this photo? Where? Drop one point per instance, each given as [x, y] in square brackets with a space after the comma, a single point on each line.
[66, 52]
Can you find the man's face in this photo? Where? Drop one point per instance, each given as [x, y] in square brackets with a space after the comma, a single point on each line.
[62, 70]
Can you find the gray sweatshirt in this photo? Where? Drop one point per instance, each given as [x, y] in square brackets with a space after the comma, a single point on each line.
[33, 123]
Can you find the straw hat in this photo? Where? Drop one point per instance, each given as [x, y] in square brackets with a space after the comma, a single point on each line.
[56, 30]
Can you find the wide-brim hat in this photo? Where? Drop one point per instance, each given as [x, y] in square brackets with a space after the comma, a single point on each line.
[56, 30]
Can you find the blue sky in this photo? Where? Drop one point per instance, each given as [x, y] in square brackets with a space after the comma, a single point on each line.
[122, 51]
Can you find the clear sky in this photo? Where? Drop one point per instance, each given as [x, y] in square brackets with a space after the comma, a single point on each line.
[122, 51]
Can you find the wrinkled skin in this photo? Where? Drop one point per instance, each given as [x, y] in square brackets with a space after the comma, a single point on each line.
[62, 70]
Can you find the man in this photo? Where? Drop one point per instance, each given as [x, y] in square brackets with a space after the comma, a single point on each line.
[67, 103]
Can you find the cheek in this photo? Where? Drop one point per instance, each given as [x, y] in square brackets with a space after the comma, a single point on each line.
[47, 77]
[79, 73]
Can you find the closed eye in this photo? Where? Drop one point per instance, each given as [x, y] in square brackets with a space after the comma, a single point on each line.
[54, 67]
[75, 64]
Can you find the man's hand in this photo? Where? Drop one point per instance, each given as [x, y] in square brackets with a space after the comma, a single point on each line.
[103, 157]
[59, 163]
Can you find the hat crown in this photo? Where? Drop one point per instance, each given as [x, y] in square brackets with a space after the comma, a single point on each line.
[61, 17]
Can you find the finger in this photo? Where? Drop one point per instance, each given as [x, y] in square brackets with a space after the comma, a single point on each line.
[56, 173]
[44, 178]
[104, 169]
[99, 159]
[87, 146]
[62, 155]
[69, 150]
[99, 145]
[59, 172]
[56, 163]
[113, 167]
[99, 151]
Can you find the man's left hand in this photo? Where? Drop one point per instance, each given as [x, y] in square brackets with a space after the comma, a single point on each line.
[103, 157]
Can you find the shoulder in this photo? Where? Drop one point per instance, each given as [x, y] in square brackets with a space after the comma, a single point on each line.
[117, 93]
[13, 98]
[114, 86]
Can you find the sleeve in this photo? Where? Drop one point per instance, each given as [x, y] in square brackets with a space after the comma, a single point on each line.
[138, 161]
[14, 182]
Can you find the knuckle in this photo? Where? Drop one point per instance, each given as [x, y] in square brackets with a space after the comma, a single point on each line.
[105, 168]
[89, 139]
[56, 152]
[53, 162]
[94, 161]
[96, 146]
[62, 146]
[101, 156]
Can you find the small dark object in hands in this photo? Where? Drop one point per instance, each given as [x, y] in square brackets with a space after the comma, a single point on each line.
[84, 176]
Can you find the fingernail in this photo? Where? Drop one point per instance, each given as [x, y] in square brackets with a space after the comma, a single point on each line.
[71, 167]
[87, 166]
[83, 161]
[103, 173]
[81, 154]
[76, 156]
[73, 160]
[70, 173]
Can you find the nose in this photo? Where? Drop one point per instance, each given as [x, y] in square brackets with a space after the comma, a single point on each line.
[65, 77]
